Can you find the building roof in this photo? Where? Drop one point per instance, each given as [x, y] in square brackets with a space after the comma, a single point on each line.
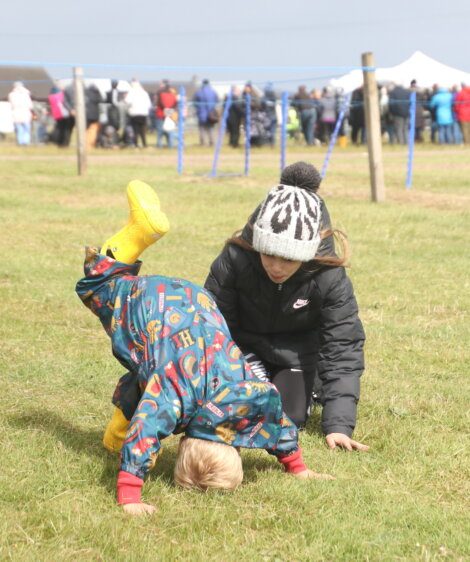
[35, 78]
[151, 87]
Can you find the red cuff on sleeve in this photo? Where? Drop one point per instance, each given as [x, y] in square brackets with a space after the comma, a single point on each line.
[293, 463]
[129, 488]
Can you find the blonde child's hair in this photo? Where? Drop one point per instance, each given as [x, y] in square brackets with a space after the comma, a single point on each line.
[205, 464]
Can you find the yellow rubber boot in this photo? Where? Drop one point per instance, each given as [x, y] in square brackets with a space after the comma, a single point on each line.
[147, 224]
[115, 432]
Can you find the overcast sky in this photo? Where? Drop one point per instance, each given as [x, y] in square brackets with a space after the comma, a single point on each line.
[330, 34]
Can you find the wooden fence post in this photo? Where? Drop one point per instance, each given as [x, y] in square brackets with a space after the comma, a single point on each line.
[80, 119]
[374, 135]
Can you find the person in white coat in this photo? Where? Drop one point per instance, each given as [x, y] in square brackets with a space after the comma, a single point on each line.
[21, 106]
[138, 108]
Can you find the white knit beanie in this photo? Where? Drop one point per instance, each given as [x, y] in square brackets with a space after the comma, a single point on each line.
[288, 224]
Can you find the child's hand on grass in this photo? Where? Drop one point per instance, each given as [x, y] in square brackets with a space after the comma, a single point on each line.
[342, 440]
[307, 474]
[138, 508]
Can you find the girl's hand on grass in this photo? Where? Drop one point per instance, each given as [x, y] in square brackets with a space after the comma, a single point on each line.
[342, 440]
[138, 508]
[307, 474]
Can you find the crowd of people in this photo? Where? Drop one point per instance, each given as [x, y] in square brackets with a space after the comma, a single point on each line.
[444, 112]
[123, 119]
[312, 115]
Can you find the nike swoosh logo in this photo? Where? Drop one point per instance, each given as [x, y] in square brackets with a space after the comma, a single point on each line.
[300, 303]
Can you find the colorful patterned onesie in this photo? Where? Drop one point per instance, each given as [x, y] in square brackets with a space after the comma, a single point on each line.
[193, 377]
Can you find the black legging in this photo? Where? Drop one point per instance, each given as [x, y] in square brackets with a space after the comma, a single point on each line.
[64, 130]
[295, 386]
[139, 126]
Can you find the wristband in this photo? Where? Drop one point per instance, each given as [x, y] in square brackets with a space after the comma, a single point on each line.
[129, 488]
[293, 463]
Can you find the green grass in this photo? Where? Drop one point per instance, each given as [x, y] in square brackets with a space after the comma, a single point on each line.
[407, 499]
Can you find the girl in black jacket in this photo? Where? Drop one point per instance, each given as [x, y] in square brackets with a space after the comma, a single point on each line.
[290, 306]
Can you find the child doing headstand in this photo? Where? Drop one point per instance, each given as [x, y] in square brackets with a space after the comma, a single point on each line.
[192, 377]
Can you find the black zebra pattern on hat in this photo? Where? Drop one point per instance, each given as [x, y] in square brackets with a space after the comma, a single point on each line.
[285, 204]
[288, 223]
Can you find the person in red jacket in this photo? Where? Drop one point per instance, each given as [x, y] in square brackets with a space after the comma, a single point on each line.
[462, 111]
[165, 112]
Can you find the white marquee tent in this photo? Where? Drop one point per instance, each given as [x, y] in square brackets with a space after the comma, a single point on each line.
[425, 70]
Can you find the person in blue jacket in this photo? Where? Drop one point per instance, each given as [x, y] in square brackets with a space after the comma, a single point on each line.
[206, 100]
[192, 377]
[442, 102]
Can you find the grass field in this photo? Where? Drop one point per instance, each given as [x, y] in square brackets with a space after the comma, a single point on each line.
[407, 499]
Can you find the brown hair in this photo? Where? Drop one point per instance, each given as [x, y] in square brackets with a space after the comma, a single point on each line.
[205, 464]
[340, 239]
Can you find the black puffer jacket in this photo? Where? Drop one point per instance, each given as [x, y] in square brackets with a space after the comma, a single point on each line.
[310, 321]
[399, 102]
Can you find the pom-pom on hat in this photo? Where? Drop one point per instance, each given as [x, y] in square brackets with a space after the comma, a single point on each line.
[288, 224]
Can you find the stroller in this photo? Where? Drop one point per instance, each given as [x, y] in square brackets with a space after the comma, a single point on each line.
[107, 137]
[260, 131]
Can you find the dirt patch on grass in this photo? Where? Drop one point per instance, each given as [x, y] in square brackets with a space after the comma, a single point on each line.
[77, 201]
[426, 199]
[447, 201]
